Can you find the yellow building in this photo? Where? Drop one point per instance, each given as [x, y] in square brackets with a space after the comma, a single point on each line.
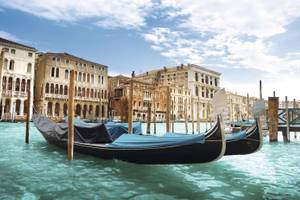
[52, 80]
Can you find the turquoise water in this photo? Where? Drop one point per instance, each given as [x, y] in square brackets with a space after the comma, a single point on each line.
[41, 171]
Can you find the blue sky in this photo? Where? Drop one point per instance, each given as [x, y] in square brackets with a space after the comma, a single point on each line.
[244, 40]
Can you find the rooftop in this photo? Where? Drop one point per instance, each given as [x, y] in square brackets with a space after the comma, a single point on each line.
[72, 57]
[179, 67]
[10, 43]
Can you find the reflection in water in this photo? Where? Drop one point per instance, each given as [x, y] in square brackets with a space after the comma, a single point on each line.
[41, 171]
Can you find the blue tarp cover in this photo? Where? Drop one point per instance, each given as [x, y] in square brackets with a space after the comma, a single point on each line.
[236, 136]
[149, 141]
[114, 129]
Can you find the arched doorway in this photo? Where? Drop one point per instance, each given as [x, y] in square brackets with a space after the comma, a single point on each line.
[7, 105]
[103, 111]
[49, 109]
[78, 110]
[65, 109]
[57, 109]
[97, 114]
[84, 111]
[18, 104]
[90, 109]
[25, 107]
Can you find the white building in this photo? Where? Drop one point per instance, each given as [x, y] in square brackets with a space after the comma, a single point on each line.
[16, 78]
[187, 82]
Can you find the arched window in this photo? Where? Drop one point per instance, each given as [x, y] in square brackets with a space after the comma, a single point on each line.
[66, 74]
[56, 89]
[102, 79]
[105, 94]
[28, 84]
[57, 72]
[61, 90]
[88, 78]
[66, 90]
[79, 76]
[79, 91]
[101, 94]
[92, 93]
[196, 91]
[11, 65]
[88, 92]
[75, 91]
[9, 85]
[83, 92]
[47, 88]
[52, 72]
[52, 88]
[17, 88]
[4, 83]
[23, 83]
[29, 66]
[83, 77]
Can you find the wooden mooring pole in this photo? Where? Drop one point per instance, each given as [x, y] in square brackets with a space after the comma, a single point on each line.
[148, 118]
[154, 112]
[286, 134]
[198, 115]
[248, 108]
[28, 116]
[173, 117]
[185, 116]
[260, 90]
[293, 117]
[168, 103]
[192, 113]
[273, 103]
[71, 116]
[130, 110]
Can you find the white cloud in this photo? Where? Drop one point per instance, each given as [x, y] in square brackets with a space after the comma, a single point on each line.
[9, 36]
[108, 14]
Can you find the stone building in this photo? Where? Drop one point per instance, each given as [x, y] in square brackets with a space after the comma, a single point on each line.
[143, 96]
[52, 80]
[188, 83]
[17, 63]
[237, 107]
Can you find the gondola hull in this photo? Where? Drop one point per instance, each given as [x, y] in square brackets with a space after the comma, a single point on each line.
[212, 149]
[250, 144]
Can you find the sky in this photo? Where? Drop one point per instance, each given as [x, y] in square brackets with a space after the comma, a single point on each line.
[246, 41]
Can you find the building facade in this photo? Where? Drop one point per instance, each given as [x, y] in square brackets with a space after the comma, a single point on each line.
[189, 83]
[238, 107]
[17, 62]
[191, 87]
[52, 81]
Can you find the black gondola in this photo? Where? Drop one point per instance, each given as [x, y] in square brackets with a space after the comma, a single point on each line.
[96, 141]
[244, 142]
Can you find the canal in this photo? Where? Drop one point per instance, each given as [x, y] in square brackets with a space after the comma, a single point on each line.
[41, 171]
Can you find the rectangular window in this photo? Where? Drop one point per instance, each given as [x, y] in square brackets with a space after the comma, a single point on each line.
[13, 51]
[29, 54]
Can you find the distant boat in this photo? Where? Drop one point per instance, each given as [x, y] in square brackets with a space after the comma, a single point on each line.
[245, 141]
[143, 149]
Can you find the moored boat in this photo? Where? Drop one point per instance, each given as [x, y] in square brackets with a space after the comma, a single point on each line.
[245, 141]
[143, 149]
